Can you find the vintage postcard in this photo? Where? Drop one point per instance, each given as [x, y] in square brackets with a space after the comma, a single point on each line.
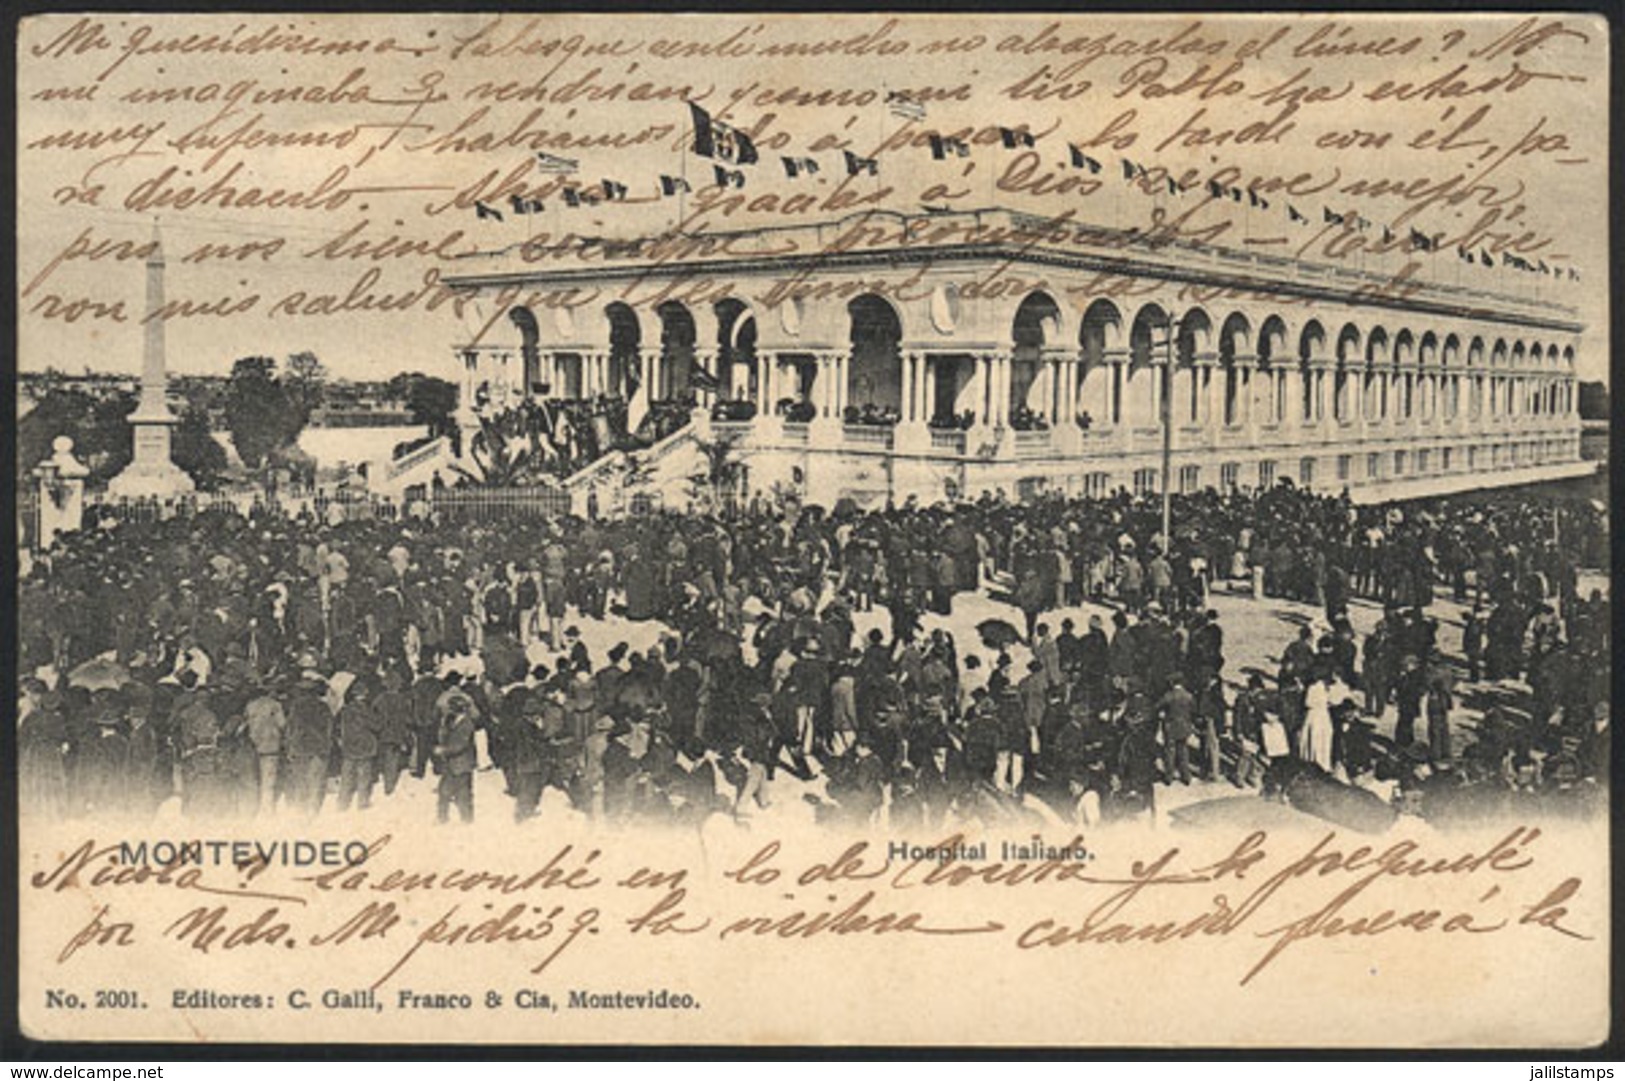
[1008, 530]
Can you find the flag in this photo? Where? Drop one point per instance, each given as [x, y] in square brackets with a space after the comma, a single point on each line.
[636, 409]
[1014, 137]
[524, 206]
[1463, 254]
[900, 103]
[856, 165]
[943, 145]
[1080, 160]
[1215, 189]
[1257, 200]
[1235, 193]
[1173, 186]
[728, 178]
[1132, 169]
[700, 378]
[1387, 234]
[714, 139]
[551, 163]
[1293, 215]
[1332, 219]
[1419, 240]
[1574, 275]
[794, 167]
[613, 192]
[482, 212]
[1484, 257]
[575, 197]
[671, 185]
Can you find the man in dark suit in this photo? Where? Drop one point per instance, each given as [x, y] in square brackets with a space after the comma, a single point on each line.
[1176, 709]
[454, 754]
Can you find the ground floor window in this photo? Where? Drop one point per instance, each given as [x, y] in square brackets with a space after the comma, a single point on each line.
[1096, 485]
[1422, 457]
[1266, 476]
[1399, 463]
[1190, 478]
[1444, 460]
[1145, 481]
[1345, 466]
[1373, 466]
[1229, 475]
[1306, 472]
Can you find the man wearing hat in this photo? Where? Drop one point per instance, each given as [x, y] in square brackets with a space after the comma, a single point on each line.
[309, 742]
[454, 757]
[529, 754]
[358, 743]
[267, 721]
[147, 786]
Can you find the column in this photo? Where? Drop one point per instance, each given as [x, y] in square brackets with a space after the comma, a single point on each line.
[1001, 363]
[984, 388]
[1116, 371]
[930, 388]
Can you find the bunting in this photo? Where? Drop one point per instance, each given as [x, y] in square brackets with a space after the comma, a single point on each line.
[1080, 160]
[856, 165]
[714, 139]
[902, 104]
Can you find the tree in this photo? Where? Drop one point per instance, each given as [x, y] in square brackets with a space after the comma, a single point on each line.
[431, 401]
[195, 449]
[306, 382]
[104, 441]
[1593, 402]
[721, 475]
[260, 414]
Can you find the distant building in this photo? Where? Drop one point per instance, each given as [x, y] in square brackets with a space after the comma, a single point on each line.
[947, 355]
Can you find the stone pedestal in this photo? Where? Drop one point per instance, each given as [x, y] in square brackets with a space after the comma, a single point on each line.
[151, 474]
[61, 480]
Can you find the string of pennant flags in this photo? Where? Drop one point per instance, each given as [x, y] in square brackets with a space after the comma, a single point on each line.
[729, 148]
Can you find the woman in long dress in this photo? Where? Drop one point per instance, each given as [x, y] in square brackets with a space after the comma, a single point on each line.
[1315, 740]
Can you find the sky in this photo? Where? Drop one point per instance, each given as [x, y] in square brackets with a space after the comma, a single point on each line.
[408, 111]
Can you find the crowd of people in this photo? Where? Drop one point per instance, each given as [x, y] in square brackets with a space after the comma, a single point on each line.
[245, 664]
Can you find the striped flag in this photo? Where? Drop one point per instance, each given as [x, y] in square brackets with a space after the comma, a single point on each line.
[794, 167]
[671, 185]
[1015, 137]
[1080, 160]
[714, 139]
[484, 212]
[728, 178]
[552, 163]
[856, 165]
[943, 145]
[902, 104]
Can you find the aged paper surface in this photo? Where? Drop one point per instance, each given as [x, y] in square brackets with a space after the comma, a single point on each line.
[439, 194]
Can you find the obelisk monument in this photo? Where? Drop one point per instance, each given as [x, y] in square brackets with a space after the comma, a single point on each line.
[151, 471]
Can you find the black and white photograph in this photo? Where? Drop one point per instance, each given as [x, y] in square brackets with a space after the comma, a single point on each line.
[780, 514]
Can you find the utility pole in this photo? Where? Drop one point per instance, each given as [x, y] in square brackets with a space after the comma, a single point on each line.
[1168, 438]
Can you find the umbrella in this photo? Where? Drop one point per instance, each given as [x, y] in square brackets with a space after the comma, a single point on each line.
[997, 633]
[99, 674]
